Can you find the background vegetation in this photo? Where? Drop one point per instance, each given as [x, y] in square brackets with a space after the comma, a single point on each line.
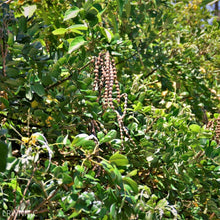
[55, 164]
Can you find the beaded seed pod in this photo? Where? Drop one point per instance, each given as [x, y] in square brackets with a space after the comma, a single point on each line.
[105, 82]
[215, 125]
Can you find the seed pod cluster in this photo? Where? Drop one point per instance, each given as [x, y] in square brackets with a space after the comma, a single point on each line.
[215, 125]
[106, 82]
[217, 130]
[105, 79]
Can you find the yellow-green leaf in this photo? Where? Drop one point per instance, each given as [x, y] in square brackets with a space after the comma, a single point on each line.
[119, 160]
[131, 183]
[71, 13]
[59, 31]
[76, 43]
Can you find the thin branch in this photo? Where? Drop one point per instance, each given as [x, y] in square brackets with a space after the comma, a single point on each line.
[59, 82]
[127, 58]
[69, 77]
[47, 199]
[151, 72]
[18, 121]
[151, 125]
[151, 83]
[15, 211]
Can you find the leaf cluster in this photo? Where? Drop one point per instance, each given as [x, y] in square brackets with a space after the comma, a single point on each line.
[62, 155]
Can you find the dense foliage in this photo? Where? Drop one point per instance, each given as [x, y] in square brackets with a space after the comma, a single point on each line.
[150, 155]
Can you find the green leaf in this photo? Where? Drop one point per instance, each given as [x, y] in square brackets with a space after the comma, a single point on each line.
[40, 113]
[76, 43]
[47, 80]
[128, 8]
[119, 160]
[216, 115]
[187, 155]
[108, 137]
[91, 177]
[108, 35]
[57, 171]
[67, 179]
[113, 210]
[12, 72]
[71, 13]
[114, 22]
[217, 169]
[100, 135]
[3, 156]
[4, 101]
[162, 204]
[131, 183]
[120, 6]
[74, 214]
[195, 128]
[13, 82]
[28, 11]
[59, 31]
[78, 183]
[83, 140]
[38, 88]
[79, 168]
[88, 5]
[29, 94]
[132, 173]
[81, 27]
[93, 11]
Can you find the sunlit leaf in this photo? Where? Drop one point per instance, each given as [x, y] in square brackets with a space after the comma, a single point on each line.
[113, 210]
[108, 35]
[59, 31]
[29, 10]
[120, 6]
[195, 128]
[71, 13]
[108, 137]
[119, 159]
[76, 43]
[67, 179]
[83, 140]
[81, 27]
[131, 183]
[38, 88]
[132, 173]
[162, 204]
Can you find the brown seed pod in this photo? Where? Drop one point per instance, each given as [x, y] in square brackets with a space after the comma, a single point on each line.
[217, 130]
[106, 83]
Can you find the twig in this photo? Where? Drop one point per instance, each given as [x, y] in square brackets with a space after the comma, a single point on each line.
[46, 200]
[59, 82]
[151, 83]
[151, 125]
[68, 77]
[18, 121]
[152, 71]
[16, 211]
[45, 194]
[127, 58]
